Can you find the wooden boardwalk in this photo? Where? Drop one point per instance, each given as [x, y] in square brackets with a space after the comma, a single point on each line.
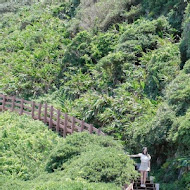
[136, 185]
[60, 122]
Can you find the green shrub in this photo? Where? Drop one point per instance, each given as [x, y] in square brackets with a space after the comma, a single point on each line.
[146, 32]
[29, 53]
[185, 43]
[180, 133]
[187, 67]
[103, 44]
[162, 66]
[24, 145]
[54, 181]
[178, 93]
[175, 170]
[110, 68]
[76, 84]
[92, 158]
[157, 134]
[107, 165]
[78, 52]
[75, 145]
[173, 9]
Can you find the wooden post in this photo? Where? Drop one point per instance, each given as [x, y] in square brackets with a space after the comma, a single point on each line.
[33, 105]
[91, 129]
[82, 126]
[21, 107]
[58, 120]
[45, 114]
[13, 103]
[39, 111]
[3, 103]
[51, 117]
[73, 124]
[65, 126]
[99, 131]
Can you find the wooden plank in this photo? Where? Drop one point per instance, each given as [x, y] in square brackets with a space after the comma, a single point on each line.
[73, 124]
[87, 125]
[58, 120]
[33, 105]
[77, 120]
[130, 187]
[69, 130]
[18, 99]
[17, 104]
[26, 112]
[39, 111]
[21, 107]
[65, 126]
[8, 103]
[3, 104]
[54, 122]
[95, 130]
[9, 97]
[82, 126]
[91, 129]
[45, 113]
[17, 110]
[99, 131]
[13, 103]
[51, 116]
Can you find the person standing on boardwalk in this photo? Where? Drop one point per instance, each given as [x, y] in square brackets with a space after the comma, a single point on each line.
[145, 164]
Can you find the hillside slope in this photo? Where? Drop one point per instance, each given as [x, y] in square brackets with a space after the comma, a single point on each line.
[34, 157]
[120, 65]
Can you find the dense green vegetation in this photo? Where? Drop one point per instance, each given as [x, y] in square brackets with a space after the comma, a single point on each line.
[31, 153]
[121, 65]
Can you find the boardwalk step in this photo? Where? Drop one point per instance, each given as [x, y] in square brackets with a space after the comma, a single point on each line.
[149, 185]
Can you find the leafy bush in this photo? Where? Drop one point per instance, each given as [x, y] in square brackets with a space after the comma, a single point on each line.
[104, 43]
[178, 93]
[93, 158]
[173, 9]
[146, 32]
[107, 165]
[25, 145]
[185, 43]
[75, 145]
[180, 133]
[110, 68]
[28, 148]
[162, 66]
[175, 170]
[187, 67]
[54, 181]
[78, 51]
[155, 134]
[29, 53]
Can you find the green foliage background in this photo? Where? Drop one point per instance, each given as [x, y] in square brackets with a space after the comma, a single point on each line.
[121, 65]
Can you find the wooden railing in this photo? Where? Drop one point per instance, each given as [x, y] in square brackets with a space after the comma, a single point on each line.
[60, 122]
[128, 187]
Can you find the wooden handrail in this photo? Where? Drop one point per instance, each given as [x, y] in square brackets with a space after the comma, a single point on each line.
[54, 118]
[128, 187]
